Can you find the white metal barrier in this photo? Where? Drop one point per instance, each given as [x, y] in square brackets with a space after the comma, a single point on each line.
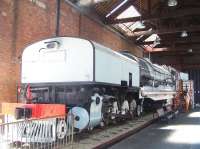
[50, 133]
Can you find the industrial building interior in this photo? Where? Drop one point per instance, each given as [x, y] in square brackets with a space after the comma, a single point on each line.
[169, 33]
[95, 74]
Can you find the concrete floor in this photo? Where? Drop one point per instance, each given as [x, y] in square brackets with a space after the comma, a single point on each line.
[180, 133]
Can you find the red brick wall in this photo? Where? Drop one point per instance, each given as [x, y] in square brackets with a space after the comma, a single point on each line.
[92, 30]
[23, 22]
[7, 81]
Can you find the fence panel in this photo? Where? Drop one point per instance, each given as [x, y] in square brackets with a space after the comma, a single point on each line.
[46, 133]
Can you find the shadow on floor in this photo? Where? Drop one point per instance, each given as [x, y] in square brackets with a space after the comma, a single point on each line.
[180, 133]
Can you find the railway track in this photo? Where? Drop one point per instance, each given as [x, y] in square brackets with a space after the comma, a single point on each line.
[103, 138]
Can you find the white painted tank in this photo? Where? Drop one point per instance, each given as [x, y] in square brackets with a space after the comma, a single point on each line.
[67, 59]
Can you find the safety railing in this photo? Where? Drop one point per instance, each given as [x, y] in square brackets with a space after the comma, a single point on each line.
[44, 133]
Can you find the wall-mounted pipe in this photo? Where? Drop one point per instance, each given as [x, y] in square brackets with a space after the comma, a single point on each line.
[57, 31]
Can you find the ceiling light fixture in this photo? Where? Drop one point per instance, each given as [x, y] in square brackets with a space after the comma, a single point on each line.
[184, 34]
[190, 50]
[172, 3]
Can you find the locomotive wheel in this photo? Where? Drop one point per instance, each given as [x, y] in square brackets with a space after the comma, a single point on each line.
[133, 106]
[102, 124]
[125, 107]
[108, 112]
[106, 115]
[139, 110]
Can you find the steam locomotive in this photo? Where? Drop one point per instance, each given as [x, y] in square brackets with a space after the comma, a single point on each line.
[96, 84]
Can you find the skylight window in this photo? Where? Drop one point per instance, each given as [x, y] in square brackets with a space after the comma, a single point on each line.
[129, 12]
[116, 8]
[137, 25]
[153, 37]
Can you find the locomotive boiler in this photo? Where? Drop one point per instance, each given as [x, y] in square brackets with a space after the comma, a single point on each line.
[156, 82]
